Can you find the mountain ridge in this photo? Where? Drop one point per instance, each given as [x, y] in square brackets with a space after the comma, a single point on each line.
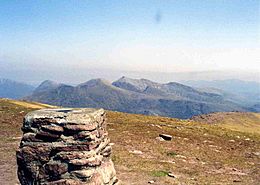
[134, 96]
[243, 93]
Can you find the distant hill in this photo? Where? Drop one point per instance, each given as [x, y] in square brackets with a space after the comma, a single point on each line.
[140, 96]
[245, 93]
[14, 90]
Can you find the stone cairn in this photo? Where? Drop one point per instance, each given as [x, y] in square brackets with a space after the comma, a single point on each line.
[65, 147]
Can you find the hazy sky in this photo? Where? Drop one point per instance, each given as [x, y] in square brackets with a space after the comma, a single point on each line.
[163, 36]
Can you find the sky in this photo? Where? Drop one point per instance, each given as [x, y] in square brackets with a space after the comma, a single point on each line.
[80, 39]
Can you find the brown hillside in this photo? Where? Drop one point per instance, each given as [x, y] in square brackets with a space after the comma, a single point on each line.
[238, 121]
[197, 154]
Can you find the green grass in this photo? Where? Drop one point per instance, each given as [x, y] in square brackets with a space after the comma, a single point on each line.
[172, 154]
[159, 173]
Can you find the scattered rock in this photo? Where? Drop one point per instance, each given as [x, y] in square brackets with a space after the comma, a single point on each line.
[137, 152]
[163, 161]
[171, 175]
[181, 156]
[166, 137]
[151, 182]
[158, 126]
[207, 141]
[159, 139]
[256, 153]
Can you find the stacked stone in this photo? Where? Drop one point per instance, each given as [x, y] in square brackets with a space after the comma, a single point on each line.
[65, 147]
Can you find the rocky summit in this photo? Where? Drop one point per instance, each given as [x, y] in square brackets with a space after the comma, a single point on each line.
[65, 146]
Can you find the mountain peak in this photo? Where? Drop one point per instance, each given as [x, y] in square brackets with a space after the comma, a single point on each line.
[94, 82]
[138, 85]
[48, 82]
[47, 85]
[124, 79]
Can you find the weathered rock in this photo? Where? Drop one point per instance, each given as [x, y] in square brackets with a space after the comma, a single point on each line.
[106, 151]
[83, 174]
[55, 169]
[52, 128]
[87, 135]
[166, 137]
[159, 139]
[30, 137]
[171, 175]
[79, 128]
[31, 153]
[75, 155]
[107, 172]
[75, 147]
[64, 182]
[92, 161]
[47, 136]
[65, 147]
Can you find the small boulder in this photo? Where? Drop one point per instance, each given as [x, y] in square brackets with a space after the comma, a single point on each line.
[159, 139]
[171, 175]
[166, 137]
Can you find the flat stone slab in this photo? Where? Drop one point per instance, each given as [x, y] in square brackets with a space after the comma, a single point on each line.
[66, 115]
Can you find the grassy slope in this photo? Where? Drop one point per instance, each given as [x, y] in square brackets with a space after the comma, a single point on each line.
[237, 121]
[11, 116]
[198, 154]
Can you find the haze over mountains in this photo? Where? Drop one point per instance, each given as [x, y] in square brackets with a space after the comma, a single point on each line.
[13, 89]
[139, 96]
[249, 89]
[246, 93]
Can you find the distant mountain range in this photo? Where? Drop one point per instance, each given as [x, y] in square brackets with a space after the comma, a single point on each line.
[13, 89]
[138, 96]
[245, 93]
[143, 96]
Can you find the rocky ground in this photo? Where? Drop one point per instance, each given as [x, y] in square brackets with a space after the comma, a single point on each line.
[198, 153]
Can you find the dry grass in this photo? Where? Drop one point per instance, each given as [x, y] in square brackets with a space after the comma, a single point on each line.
[237, 121]
[197, 154]
[32, 105]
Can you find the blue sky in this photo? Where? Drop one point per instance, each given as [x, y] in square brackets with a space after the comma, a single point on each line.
[170, 36]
